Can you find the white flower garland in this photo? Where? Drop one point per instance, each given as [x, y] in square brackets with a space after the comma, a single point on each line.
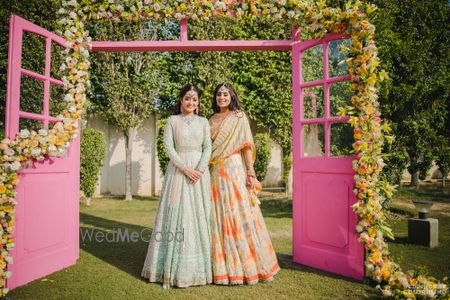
[369, 132]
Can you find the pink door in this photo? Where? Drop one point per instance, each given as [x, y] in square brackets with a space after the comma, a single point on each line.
[324, 235]
[46, 234]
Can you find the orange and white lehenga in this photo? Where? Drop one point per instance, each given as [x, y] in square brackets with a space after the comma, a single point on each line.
[242, 251]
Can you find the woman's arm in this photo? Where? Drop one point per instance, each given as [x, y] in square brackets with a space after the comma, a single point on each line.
[248, 160]
[247, 154]
[169, 145]
[206, 145]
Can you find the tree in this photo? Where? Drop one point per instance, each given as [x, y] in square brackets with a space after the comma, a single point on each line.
[42, 13]
[261, 77]
[125, 85]
[443, 161]
[414, 47]
[263, 149]
[92, 153]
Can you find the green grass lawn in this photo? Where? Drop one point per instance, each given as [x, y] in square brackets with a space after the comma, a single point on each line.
[112, 270]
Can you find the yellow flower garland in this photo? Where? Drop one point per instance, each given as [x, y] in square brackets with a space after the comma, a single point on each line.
[369, 132]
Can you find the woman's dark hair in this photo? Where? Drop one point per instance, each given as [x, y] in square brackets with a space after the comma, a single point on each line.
[234, 104]
[183, 92]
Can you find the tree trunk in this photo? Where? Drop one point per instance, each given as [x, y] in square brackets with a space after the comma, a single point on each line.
[443, 181]
[415, 180]
[129, 138]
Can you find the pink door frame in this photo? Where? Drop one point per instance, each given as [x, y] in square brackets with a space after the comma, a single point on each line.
[340, 253]
[47, 214]
[17, 26]
[324, 234]
[71, 162]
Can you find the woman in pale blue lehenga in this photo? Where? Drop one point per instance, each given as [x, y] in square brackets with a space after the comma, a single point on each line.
[179, 251]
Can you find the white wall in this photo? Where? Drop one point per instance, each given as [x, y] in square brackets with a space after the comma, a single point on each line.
[274, 174]
[433, 174]
[146, 179]
[146, 175]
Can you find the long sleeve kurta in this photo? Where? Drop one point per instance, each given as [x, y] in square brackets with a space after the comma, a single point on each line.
[179, 252]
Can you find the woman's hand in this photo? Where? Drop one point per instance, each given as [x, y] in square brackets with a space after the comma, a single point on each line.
[201, 174]
[251, 181]
[193, 175]
[195, 181]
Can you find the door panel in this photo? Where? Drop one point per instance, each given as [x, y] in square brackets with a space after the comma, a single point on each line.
[46, 232]
[324, 234]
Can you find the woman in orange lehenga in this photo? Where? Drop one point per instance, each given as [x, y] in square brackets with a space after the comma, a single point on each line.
[242, 251]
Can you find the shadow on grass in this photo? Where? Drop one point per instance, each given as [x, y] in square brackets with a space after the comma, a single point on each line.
[122, 198]
[403, 240]
[129, 256]
[286, 262]
[107, 240]
[276, 208]
[425, 192]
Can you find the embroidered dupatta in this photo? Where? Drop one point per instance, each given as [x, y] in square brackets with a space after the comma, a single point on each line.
[234, 134]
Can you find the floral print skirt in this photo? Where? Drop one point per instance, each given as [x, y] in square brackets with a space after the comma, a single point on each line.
[242, 251]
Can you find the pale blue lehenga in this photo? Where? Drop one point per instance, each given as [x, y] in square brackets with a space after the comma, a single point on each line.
[179, 252]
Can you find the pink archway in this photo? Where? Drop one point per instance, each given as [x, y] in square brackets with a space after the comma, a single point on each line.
[323, 220]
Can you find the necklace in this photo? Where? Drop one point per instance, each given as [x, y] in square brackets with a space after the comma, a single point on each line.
[188, 119]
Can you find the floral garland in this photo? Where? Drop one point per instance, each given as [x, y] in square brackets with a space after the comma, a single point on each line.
[369, 132]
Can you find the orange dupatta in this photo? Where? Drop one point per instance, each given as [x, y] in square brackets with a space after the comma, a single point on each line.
[234, 134]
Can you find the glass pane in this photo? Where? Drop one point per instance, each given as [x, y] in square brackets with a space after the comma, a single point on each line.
[313, 102]
[56, 61]
[31, 95]
[341, 139]
[30, 124]
[340, 96]
[313, 140]
[337, 55]
[312, 64]
[33, 52]
[56, 104]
